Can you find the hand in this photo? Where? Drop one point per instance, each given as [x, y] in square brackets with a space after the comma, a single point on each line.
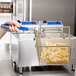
[13, 26]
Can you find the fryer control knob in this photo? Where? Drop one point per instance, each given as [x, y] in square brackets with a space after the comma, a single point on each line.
[33, 22]
[44, 21]
[19, 21]
[57, 22]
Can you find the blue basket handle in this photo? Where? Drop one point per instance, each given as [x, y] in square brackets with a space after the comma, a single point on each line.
[5, 26]
[23, 28]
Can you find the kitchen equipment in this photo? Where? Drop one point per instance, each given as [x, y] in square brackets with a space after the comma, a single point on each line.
[23, 49]
[43, 46]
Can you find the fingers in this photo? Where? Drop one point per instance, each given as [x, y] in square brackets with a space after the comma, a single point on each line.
[14, 23]
[16, 29]
[10, 28]
[14, 26]
[13, 29]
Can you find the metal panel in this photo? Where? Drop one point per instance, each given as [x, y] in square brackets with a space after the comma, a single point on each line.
[63, 10]
[21, 10]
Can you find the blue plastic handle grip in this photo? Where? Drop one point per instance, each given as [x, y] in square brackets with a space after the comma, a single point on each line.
[2, 26]
[21, 28]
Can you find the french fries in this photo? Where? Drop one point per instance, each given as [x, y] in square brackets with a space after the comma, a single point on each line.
[55, 55]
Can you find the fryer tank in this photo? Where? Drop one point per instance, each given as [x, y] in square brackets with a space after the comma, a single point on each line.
[23, 46]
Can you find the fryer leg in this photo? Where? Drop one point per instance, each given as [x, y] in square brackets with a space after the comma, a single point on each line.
[20, 70]
[73, 67]
[15, 67]
[30, 68]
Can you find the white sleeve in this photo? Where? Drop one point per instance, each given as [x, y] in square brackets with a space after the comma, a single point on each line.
[2, 32]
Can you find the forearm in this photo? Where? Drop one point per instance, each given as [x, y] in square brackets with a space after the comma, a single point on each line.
[2, 32]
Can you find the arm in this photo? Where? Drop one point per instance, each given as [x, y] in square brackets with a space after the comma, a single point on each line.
[2, 32]
[13, 27]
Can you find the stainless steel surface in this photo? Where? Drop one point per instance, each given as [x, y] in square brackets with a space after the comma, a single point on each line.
[14, 9]
[21, 10]
[62, 10]
[24, 55]
[4, 47]
[27, 10]
[73, 50]
[30, 9]
[20, 70]
[6, 70]
[18, 10]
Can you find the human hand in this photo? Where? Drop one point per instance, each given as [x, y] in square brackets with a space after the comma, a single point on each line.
[13, 26]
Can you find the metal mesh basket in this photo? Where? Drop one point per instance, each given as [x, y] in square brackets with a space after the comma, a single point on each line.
[53, 45]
